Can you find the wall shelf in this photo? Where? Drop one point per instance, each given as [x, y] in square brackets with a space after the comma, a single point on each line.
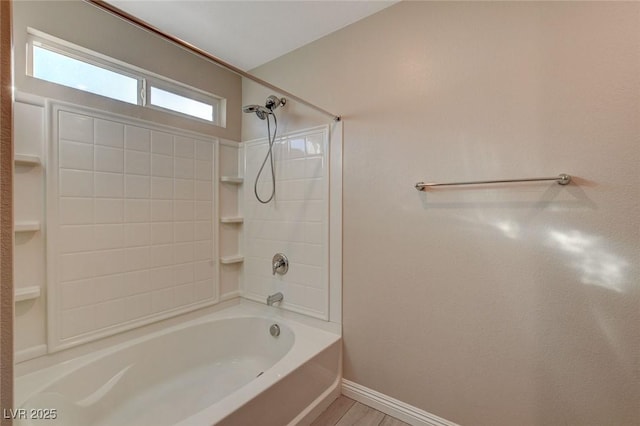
[232, 179]
[227, 260]
[232, 219]
[27, 226]
[26, 293]
[27, 160]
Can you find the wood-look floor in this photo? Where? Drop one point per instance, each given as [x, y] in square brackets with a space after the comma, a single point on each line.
[347, 412]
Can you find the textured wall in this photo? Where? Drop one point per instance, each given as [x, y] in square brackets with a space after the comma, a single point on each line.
[507, 305]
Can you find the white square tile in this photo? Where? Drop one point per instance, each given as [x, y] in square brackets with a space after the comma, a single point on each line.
[109, 159]
[202, 231]
[109, 287]
[203, 210]
[203, 250]
[161, 165]
[76, 266]
[75, 127]
[184, 168]
[203, 290]
[136, 258]
[137, 282]
[183, 210]
[108, 262]
[109, 210]
[161, 255]
[109, 133]
[183, 147]
[161, 278]
[138, 306]
[162, 300]
[77, 321]
[183, 253]
[161, 233]
[75, 238]
[183, 189]
[109, 185]
[137, 138]
[108, 236]
[182, 231]
[297, 148]
[77, 293]
[183, 274]
[203, 270]
[137, 163]
[204, 170]
[75, 183]
[313, 233]
[161, 143]
[204, 150]
[109, 313]
[161, 188]
[183, 295]
[315, 211]
[75, 155]
[138, 186]
[315, 144]
[137, 234]
[161, 210]
[137, 210]
[204, 190]
[75, 211]
[314, 167]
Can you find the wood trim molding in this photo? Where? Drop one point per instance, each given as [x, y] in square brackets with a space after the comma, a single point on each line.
[6, 209]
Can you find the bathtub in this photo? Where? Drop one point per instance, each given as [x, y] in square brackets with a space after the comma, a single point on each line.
[223, 368]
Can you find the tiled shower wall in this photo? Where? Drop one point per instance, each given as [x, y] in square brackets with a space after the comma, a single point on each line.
[131, 224]
[295, 223]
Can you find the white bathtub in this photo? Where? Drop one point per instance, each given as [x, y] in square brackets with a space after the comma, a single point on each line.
[224, 368]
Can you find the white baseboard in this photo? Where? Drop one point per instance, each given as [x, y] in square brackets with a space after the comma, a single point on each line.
[391, 406]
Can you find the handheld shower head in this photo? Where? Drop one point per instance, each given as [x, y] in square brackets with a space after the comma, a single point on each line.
[260, 111]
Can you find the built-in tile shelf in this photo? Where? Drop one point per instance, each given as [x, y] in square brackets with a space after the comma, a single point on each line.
[232, 179]
[27, 226]
[27, 160]
[26, 293]
[232, 219]
[227, 260]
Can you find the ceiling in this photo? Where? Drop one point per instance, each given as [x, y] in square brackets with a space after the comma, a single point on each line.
[247, 34]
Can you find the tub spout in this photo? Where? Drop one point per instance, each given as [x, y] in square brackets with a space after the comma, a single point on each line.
[277, 297]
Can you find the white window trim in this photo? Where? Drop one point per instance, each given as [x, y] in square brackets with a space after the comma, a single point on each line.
[146, 79]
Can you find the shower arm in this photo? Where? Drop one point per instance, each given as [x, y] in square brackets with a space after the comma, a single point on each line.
[190, 47]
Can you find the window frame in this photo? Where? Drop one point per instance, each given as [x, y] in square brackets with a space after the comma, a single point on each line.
[146, 80]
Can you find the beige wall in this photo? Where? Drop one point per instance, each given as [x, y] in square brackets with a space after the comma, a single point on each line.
[492, 306]
[87, 26]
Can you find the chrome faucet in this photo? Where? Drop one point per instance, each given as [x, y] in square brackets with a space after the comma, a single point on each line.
[279, 264]
[274, 298]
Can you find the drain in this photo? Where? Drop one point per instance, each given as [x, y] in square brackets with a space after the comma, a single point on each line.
[260, 374]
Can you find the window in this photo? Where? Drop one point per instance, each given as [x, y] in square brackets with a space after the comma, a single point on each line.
[61, 69]
[59, 62]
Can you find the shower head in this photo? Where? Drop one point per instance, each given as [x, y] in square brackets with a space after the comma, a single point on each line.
[260, 111]
[274, 102]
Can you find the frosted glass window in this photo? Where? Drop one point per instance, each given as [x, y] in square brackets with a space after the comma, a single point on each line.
[182, 104]
[61, 69]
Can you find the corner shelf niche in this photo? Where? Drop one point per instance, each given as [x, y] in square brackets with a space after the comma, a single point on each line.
[236, 180]
[27, 226]
[26, 293]
[27, 160]
[227, 260]
[232, 219]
